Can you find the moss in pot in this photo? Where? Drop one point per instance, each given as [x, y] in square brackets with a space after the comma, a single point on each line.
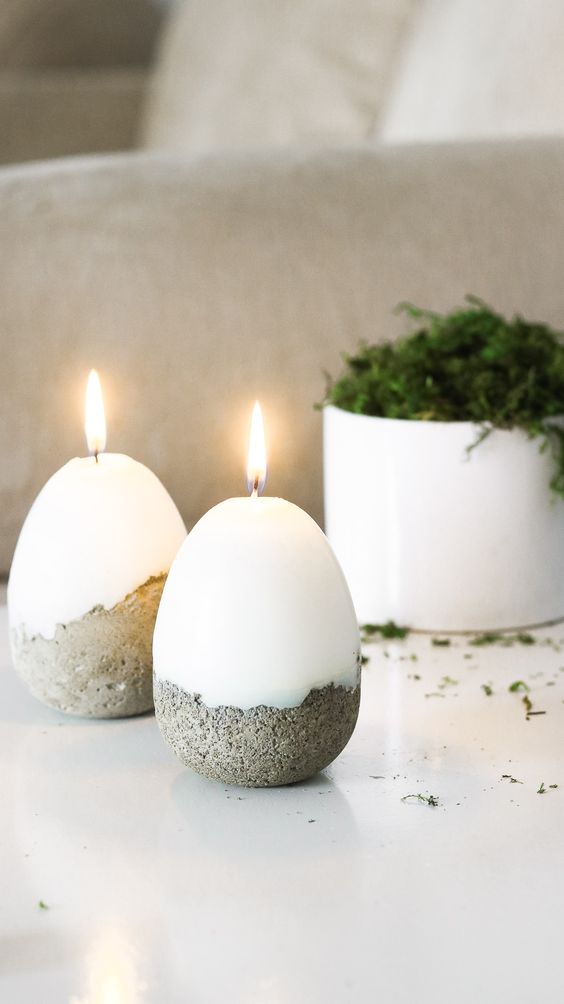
[425, 537]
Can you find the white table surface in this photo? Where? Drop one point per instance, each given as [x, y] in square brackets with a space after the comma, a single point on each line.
[162, 887]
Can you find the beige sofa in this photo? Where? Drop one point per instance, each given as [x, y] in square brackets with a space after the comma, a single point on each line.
[197, 284]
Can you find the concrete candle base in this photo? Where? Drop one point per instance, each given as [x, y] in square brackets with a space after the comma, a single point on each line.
[99, 666]
[261, 747]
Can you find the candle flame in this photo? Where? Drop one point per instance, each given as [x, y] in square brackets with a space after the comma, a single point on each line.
[95, 418]
[256, 463]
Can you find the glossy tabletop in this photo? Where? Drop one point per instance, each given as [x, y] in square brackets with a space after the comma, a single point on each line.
[127, 879]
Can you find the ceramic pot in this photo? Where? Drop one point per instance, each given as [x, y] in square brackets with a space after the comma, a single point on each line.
[438, 538]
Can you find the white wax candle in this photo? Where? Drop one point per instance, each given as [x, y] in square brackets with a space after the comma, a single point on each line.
[97, 531]
[256, 610]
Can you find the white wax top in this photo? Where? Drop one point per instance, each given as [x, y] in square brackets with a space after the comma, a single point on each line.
[256, 609]
[95, 533]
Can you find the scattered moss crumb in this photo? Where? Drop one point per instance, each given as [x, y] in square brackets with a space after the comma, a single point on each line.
[42, 905]
[550, 643]
[510, 778]
[487, 689]
[427, 799]
[447, 681]
[489, 638]
[440, 642]
[506, 640]
[529, 708]
[388, 630]
[518, 685]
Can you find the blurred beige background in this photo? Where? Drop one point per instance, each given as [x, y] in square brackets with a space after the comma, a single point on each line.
[210, 200]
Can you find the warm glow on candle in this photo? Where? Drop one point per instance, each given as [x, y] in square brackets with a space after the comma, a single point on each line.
[256, 463]
[95, 418]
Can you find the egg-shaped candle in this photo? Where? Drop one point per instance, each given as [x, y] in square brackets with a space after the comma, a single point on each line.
[87, 577]
[256, 648]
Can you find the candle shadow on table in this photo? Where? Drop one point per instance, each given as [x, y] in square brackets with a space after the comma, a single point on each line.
[247, 863]
[316, 811]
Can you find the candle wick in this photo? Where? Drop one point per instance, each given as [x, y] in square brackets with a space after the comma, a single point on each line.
[254, 493]
[96, 455]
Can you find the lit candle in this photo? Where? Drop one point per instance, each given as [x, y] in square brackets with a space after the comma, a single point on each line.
[87, 577]
[256, 647]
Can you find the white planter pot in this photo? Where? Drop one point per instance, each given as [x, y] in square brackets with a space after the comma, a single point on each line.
[438, 539]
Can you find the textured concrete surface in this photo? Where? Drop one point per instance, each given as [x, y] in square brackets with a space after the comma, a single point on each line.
[99, 666]
[260, 747]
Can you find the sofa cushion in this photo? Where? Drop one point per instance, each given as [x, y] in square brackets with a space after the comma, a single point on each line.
[78, 33]
[474, 69]
[240, 73]
[59, 112]
[195, 286]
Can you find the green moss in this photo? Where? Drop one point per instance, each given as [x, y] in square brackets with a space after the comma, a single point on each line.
[388, 630]
[431, 800]
[488, 638]
[471, 365]
[506, 640]
[518, 685]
